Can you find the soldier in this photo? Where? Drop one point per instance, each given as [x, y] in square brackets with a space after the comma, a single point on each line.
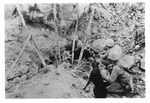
[110, 52]
[120, 80]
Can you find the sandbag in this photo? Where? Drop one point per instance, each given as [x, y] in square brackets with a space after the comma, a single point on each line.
[115, 53]
[99, 45]
[126, 61]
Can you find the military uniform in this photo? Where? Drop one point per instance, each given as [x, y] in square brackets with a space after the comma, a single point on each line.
[119, 79]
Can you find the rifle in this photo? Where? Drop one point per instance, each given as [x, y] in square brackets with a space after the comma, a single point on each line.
[89, 81]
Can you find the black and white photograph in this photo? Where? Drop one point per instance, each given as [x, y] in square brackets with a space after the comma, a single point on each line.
[74, 50]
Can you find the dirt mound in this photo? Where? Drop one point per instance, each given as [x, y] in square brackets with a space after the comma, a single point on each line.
[56, 83]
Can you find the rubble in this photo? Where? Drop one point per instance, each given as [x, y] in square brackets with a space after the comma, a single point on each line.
[29, 80]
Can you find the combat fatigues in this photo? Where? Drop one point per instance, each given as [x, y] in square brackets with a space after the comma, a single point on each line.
[118, 78]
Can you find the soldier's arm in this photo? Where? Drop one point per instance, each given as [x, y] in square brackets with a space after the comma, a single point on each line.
[111, 77]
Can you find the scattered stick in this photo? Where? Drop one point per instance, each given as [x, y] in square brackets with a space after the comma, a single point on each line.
[10, 70]
[28, 39]
[56, 31]
[38, 51]
[32, 41]
[74, 37]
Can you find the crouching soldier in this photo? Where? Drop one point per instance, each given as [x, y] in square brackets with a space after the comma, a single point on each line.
[120, 80]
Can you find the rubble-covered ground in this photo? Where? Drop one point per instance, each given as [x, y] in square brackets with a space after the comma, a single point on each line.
[63, 82]
[28, 80]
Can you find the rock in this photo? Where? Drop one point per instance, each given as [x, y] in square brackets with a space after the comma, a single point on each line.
[85, 75]
[66, 65]
[12, 87]
[23, 77]
[35, 82]
[17, 80]
[7, 85]
[47, 30]
[142, 55]
[25, 69]
[46, 81]
[46, 69]
[11, 75]
[18, 95]
[140, 82]
[95, 30]
[74, 75]
[137, 58]
[138, 86]
[33, 70]
[42, 29]
[29, 76]
[137, 47]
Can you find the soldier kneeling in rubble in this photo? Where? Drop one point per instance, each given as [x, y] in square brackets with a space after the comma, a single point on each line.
[109, 50]
[120, 80]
